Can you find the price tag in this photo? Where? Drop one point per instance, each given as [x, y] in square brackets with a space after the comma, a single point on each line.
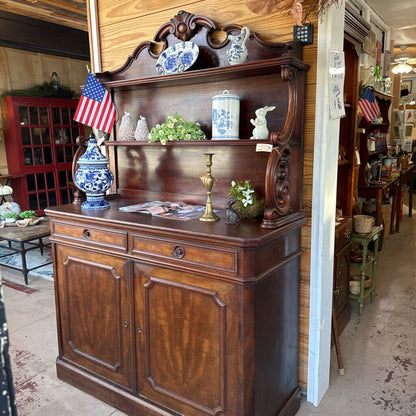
[264, 147]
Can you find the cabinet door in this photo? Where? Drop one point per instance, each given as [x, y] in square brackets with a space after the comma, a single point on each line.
[341, 284]
[95, 314]
[187, 340]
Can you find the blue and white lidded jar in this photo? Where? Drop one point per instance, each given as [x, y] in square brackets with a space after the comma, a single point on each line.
[93, 176]
[225, 116]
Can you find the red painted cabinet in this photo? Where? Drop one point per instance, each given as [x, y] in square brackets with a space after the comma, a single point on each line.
[40, 143]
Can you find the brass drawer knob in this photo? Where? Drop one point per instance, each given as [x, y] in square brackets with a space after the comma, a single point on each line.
[179, 252]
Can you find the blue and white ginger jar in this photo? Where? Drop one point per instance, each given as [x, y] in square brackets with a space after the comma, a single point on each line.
[225, 116]
[93, 176]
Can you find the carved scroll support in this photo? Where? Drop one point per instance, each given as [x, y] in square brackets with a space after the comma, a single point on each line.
[277, 189]
[288, 74]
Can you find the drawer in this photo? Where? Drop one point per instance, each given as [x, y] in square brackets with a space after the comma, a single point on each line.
[343, 234]
[92, 236]
[205, 255]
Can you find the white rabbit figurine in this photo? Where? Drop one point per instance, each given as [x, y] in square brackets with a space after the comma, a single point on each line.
[260, 130]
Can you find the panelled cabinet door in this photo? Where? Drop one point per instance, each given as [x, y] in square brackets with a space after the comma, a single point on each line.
[95, 317]
[187, 341]
[342, 277]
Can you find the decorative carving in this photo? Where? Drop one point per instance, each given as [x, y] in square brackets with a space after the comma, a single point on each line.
[184, 26]
[277, 183]
[281, 138]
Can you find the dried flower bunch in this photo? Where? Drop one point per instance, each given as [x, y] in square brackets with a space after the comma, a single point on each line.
[176, 128]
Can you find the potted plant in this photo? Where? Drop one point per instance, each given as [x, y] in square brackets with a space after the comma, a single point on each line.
[175, 128]
[27, 214]
[10, 217]
[246, 202]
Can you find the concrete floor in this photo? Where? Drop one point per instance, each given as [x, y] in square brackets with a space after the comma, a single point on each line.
[379, 347]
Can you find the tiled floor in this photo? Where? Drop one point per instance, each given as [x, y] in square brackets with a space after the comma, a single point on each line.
[379, 348]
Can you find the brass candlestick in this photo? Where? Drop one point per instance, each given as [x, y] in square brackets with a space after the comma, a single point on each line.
[208, 181]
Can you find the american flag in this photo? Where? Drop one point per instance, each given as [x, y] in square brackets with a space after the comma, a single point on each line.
[95, 107]
[368, 104]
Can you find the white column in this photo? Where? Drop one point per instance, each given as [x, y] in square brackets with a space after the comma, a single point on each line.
[325, 169]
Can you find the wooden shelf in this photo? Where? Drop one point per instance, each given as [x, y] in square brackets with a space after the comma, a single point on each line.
[378, 124]
[246, 70]
[240, 142]
[377, 152]
[343, 162]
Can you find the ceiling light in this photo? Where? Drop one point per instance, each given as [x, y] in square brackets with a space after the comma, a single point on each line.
[402, 69]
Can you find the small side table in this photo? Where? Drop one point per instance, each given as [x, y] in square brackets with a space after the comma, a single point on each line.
[22, 236]
[365, 240]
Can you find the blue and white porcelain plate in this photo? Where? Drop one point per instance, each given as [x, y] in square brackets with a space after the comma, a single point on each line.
[177, 58]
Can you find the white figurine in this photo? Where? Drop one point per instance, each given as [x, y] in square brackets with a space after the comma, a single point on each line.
[142, 131]
[126, 129]
[260, 130]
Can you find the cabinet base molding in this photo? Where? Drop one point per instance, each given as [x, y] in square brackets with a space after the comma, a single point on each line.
[130, 404]
[108, 393]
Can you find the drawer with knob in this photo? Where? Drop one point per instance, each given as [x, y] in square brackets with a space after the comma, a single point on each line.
[109, 239]
[191, 254]
[343, 233]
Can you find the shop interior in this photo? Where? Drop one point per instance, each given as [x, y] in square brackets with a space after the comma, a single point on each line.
[372, 324]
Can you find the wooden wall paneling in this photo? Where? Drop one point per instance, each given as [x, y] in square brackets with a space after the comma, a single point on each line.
[124, 24]
[120, 38]
[4, 69]
[23, 69]
[116, 11]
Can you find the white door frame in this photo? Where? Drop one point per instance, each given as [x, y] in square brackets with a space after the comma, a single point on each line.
[325, 169]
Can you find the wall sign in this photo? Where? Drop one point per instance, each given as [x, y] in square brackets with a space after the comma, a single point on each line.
[336, 84]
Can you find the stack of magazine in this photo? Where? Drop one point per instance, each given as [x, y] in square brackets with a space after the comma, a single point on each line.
[171, 210]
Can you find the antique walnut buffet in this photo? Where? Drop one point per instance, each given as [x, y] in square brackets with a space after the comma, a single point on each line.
[163, 317]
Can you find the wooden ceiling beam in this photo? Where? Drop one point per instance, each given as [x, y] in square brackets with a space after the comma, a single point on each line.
[67, 13]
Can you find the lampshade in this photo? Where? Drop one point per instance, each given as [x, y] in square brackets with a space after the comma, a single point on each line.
[402, 69]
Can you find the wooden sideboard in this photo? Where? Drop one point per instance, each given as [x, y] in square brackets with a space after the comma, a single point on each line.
[165, 317]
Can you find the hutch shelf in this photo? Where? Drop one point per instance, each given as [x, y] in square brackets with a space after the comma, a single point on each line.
[165, 317]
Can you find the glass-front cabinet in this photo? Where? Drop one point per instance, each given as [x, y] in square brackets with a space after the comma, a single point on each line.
[40, 137]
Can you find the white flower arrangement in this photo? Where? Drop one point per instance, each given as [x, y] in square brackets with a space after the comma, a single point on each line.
[244, 193]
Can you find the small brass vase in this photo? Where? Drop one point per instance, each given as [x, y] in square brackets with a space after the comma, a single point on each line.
[209, 214]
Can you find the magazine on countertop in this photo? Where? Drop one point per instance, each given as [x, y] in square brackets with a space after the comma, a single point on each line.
[171, 210]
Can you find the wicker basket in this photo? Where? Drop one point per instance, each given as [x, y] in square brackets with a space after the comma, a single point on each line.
[363, 223]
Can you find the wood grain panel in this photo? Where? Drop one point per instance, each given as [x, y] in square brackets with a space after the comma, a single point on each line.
[102, 344]
[119, 37]
[116, 11]
[23, 69]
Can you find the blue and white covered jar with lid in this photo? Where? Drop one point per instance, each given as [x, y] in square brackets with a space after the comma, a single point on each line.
[225, 116]
[93, 176]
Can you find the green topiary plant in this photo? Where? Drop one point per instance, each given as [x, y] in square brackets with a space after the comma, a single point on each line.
[175, 128]
[27, 214]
